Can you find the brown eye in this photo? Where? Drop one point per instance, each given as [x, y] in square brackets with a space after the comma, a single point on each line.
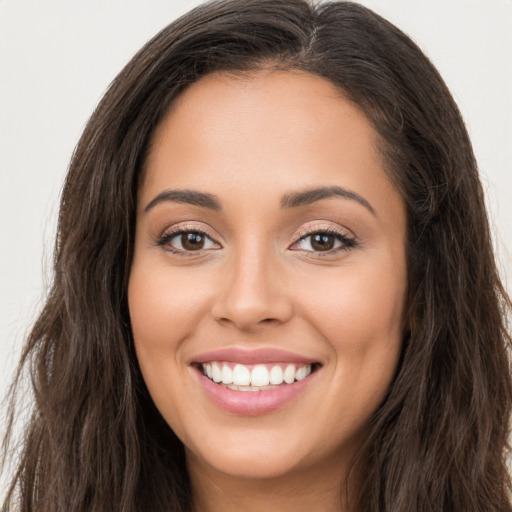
[192, 241]
[322, 242]
[182, 242]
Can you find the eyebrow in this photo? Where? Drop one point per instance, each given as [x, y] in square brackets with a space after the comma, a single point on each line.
[291, 200]
[186, 196]
[310, 196]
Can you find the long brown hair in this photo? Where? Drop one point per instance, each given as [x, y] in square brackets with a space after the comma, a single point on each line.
[438, 442]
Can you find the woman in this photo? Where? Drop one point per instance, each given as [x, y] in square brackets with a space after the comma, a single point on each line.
[265, 280]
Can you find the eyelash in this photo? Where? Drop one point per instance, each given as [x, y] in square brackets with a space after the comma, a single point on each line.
[347, 242]
[169, 235]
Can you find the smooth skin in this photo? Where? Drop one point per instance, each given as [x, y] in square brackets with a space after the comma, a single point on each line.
[325, 280]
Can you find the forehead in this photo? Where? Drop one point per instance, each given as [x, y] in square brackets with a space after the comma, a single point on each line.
[289, 128]
[262, 106]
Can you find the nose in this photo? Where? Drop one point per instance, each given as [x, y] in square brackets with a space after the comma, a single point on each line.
[252, 293]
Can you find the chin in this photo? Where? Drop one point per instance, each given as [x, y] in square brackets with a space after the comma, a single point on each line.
[250, 464]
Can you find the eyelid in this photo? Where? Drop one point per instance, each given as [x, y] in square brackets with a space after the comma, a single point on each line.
[322, 228]
[170, 232]
[346, 237]
[185, 227]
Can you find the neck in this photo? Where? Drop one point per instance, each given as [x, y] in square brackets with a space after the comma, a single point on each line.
[321, 487]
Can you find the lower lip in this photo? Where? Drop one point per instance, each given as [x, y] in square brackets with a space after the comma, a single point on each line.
[251, 403]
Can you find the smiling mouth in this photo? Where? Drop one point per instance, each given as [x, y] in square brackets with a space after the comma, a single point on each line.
[255, 377]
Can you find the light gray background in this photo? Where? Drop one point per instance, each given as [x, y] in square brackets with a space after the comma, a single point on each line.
[57, 58]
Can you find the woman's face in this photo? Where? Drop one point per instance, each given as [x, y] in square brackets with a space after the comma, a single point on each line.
[269, 253]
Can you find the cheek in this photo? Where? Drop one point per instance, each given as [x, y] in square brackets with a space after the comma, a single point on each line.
[164, 306]
[358, 306]
[165, 309]
[359, 313]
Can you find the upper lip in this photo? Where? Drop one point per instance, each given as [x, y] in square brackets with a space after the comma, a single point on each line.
[253, 356]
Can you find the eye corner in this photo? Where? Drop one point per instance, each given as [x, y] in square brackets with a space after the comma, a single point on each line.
[187, 241]
[329, 242]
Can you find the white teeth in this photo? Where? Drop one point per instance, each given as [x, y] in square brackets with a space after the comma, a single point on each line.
[289, 374]
[227, 375]
[302, 372]
[260, 376]
[241, 375]
[276, 375]
[241, 378]
[216, 373]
